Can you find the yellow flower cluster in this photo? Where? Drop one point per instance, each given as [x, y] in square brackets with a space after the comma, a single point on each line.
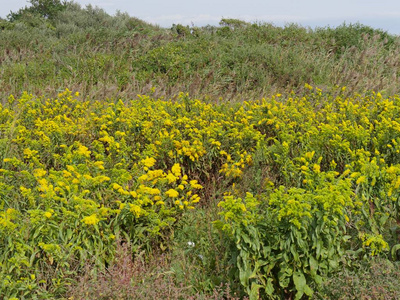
[79, 173]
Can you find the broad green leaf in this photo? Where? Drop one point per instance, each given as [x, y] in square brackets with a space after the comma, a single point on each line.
[300, 283]
[318, 279]
[254, 292]
[319, 246]
[313, 265]
[294, 252]
[269, 288]
[308, 291]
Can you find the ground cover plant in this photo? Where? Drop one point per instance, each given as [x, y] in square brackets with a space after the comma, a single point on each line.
[115, 184]
[77, 176]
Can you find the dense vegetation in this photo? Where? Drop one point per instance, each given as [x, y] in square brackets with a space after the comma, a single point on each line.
[244, 160]
[65, 46]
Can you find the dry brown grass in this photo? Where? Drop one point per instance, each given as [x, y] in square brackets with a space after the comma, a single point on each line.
[128, 278]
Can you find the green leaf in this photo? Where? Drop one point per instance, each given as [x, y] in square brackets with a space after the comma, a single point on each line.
[294, 252]
[255, 241]
[318, 279]
[37, 232]
[308, 291]
[300, 283]
[395, 248]
[254, 292]
[245, 238]
[319, 245]
[244, 268]
[333, 263]
[313, 266]
[269, 288]
[69, 234]
[284, 275]
[346, 238]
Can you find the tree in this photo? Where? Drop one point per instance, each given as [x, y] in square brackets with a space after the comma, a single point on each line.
[47, 9]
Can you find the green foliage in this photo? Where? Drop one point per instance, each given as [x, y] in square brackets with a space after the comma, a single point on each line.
[347, 36]
[181, 30]
[307, 180]
[5, 25]
[236, 60]
[290, 241]
[47, 9]
[233, 23]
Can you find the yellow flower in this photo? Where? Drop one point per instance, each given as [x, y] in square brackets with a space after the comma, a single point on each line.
[172, 193]
[176, 170]
[195, 185]
[148, 162]
[99, 164]
[28, 153]
[48, 214]
[136, 210]
[39, 173]
[116, 186]
[195, 198]
[168, 122]
[154, 191]
[309, 155]
[391, 170]
[91, 220]
[171, 178]
[361, 179]
[83, 150]
[66, 174]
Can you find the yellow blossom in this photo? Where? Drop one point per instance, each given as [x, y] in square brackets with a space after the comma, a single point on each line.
[83, 150]
[361, 179]
[194, 184]
[176, 170]
[136, 210]
[172, 193]
[171, 178]
[39, 173]
[91, 220]
[148, 162]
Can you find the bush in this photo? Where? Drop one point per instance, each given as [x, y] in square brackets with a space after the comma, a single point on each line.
[289, 242]
[47, 9]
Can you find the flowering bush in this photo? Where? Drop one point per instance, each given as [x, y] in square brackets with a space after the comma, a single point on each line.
[76, 175]
[325, 177]
[305, 178]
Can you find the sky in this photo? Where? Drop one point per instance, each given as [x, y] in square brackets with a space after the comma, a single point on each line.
[382, 14]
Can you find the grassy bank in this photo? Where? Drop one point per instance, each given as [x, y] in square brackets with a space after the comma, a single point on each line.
[119, 56]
